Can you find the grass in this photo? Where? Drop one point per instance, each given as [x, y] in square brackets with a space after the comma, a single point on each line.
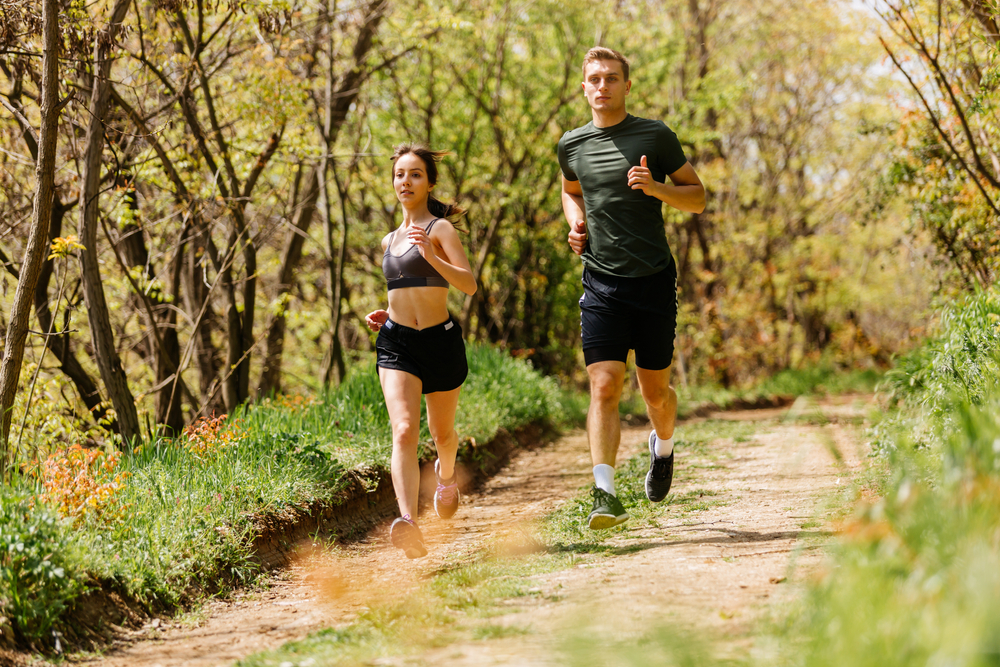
[821, 379]
[178, 517]
[915, 576]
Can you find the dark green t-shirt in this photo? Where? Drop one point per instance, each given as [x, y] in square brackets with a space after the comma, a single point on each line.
[625, 234]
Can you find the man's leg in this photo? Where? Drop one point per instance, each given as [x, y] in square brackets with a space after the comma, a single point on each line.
[604, 434]
[661, 405]
[660, 398]
[603, 423]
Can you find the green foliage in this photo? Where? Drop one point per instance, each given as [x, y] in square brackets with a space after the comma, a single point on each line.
[40, 567]
[914, 577]
[191, 507]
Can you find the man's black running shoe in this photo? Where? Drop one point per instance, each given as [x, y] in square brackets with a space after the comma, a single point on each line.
[404, 534]
[608, 511]
[661, 472]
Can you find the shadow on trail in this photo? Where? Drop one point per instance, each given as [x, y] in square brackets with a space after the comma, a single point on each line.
[729, 536]
[609, 549]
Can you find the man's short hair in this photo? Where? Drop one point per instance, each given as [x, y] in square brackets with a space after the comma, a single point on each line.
[604, 53]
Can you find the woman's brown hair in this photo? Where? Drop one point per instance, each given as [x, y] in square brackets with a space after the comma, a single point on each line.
[437, 207]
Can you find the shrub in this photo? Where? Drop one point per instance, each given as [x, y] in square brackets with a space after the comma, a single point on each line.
[80, 481]
[39, 568]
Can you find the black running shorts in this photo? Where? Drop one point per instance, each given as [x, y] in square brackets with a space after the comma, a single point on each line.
[622, 314]
[436, 354]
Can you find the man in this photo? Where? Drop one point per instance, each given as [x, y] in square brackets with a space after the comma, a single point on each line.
[615, 172]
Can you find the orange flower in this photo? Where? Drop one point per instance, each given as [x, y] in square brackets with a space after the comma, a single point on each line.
[79, 481]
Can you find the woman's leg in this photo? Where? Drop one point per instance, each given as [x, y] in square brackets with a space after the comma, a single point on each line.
[402, 399]
[441, 406]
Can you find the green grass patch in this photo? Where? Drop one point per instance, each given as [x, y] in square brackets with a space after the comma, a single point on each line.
[178, 517]
[822, 379]
[707, 442]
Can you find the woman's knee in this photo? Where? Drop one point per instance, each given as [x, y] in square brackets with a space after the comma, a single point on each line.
[405, 433]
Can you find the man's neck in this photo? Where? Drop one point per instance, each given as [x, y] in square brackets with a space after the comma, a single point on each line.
[603, 120]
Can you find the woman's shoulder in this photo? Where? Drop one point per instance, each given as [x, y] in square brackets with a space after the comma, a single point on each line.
[442, 224]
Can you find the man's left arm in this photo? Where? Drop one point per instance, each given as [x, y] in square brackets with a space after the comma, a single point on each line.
[685, 193]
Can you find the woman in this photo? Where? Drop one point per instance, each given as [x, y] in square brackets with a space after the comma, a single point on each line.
[420, 347]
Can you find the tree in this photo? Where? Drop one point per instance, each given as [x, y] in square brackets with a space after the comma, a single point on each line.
[102, 335]
[17, 330]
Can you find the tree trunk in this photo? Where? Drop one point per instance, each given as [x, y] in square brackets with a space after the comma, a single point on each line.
[196, 293]
[472, 301]
[60, 345]
[168, 360]
[334, 371]
[17, 330]
[97, 308]
[270, 379]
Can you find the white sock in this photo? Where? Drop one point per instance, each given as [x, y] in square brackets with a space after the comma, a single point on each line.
[663, 447]
[604, 477]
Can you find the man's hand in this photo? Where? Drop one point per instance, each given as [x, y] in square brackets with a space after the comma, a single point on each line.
[640, 178]
[578, 236]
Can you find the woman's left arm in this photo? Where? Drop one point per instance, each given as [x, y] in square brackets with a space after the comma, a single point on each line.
[454, 265]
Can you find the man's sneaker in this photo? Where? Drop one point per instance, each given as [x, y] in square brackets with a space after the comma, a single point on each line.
[661, 472]
[608, 511]
[405, 535]
[446, 496]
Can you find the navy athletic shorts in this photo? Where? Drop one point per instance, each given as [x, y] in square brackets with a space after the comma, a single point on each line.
[436, 354]
[622, 314]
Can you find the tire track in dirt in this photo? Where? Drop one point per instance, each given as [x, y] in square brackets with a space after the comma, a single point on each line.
[711, 569]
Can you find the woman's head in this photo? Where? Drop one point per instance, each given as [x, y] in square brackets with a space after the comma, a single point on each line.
[414, 175]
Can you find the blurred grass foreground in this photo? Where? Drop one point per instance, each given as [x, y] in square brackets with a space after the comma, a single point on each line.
[915, 577]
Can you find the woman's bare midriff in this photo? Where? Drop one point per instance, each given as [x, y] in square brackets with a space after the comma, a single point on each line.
[418, 307]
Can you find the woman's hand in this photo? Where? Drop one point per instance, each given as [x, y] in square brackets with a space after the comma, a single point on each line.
[376, 319]
[422, 240]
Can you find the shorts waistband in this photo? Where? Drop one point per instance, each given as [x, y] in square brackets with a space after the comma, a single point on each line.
[402, 328]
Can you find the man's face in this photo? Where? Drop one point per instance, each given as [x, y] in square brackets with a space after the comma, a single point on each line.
[605, 86]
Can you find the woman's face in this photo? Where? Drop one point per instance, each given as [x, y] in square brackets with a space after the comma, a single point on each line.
[409, 179]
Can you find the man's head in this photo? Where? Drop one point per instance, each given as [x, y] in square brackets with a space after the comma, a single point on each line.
[605, 79]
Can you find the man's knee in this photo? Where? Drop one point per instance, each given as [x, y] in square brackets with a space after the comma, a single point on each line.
[605, 386]
[659, 397]
[655, 388]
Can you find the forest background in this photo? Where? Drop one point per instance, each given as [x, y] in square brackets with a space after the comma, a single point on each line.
[219, 182]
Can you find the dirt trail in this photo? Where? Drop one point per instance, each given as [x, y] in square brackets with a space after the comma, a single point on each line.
[714, 569]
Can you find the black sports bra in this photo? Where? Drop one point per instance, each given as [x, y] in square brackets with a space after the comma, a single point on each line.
[410, 269]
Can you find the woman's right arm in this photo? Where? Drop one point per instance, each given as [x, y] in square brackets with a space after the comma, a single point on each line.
[376, 319]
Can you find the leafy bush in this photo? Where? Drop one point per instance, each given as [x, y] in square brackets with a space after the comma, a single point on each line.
[39, 567]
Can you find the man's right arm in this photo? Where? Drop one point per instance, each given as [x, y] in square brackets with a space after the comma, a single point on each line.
[572, 203]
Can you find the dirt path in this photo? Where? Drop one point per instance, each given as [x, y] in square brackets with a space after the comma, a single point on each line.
[714, 569]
